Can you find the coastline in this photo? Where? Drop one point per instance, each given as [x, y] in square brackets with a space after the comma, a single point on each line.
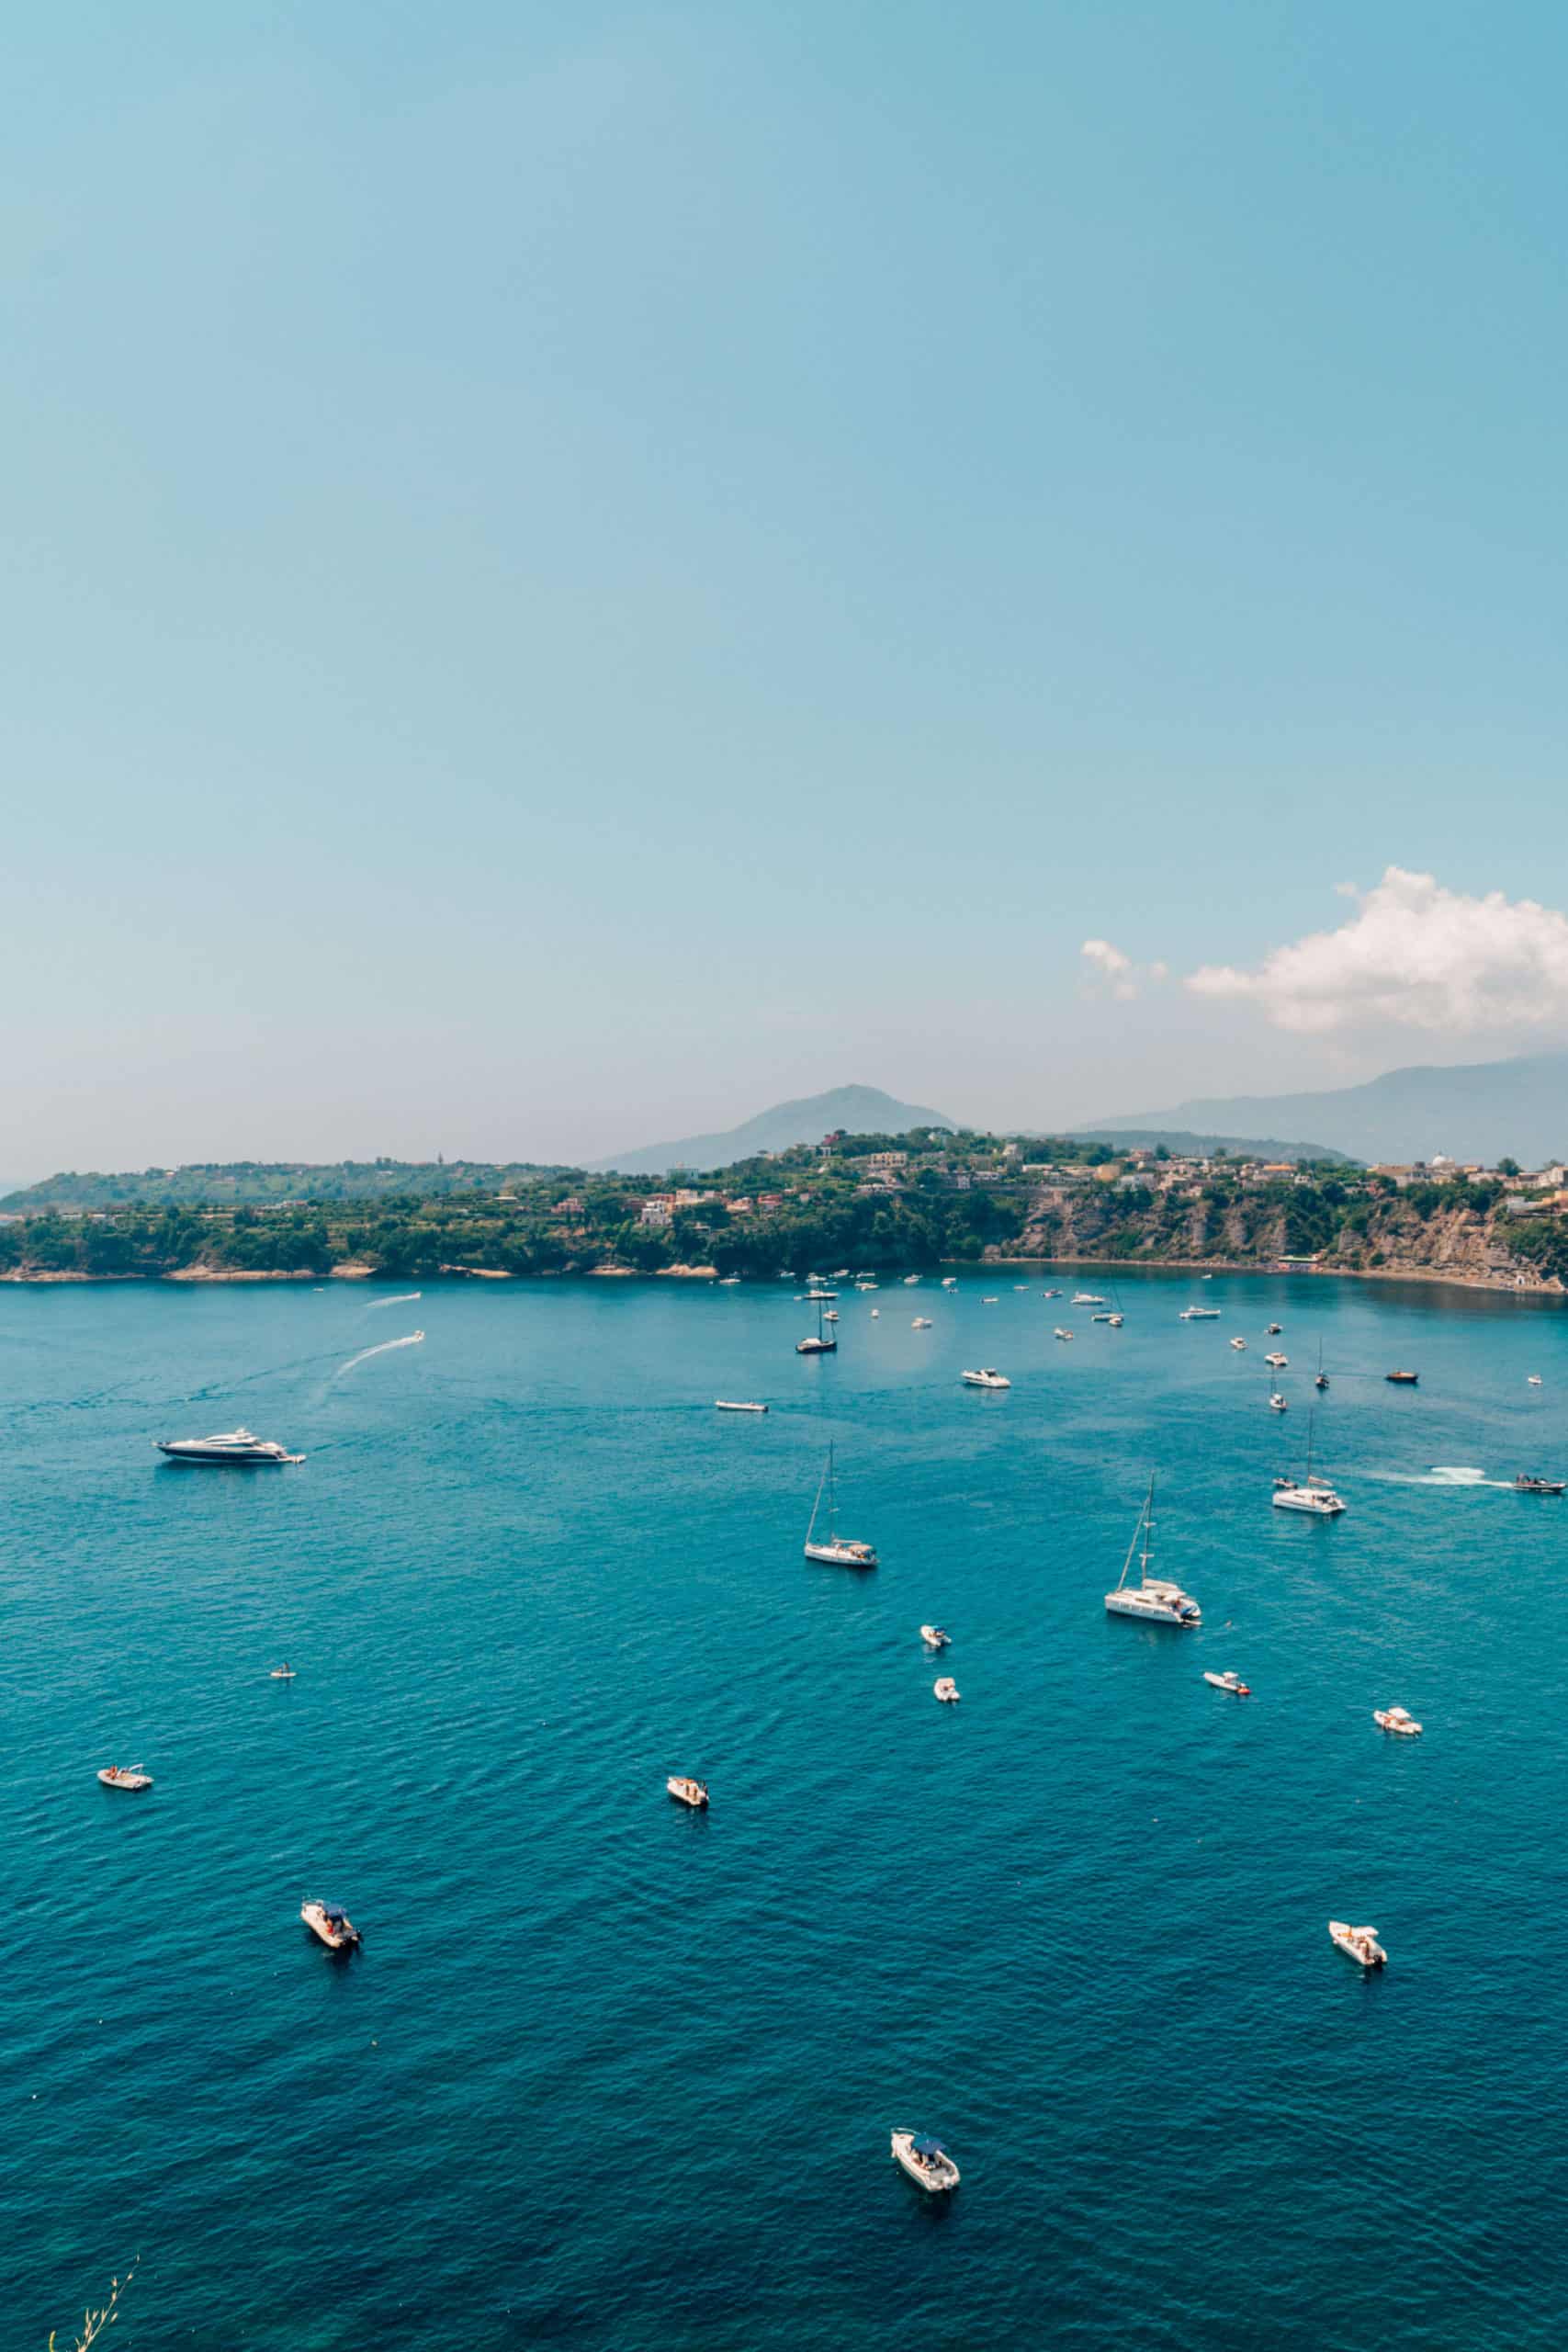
[1510, 1285]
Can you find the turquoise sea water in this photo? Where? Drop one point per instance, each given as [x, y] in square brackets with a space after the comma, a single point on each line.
[610, 2074]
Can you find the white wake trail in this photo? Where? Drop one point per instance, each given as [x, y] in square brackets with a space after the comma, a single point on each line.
[403, 1298]
[412, 1340]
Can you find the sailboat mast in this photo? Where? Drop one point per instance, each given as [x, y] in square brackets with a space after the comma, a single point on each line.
[1148, 1527]
[1142, 1529]
[833, 1498]
[818, 1504]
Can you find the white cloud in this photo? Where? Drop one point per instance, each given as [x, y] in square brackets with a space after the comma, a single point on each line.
[1109, 964]
[1415, 953]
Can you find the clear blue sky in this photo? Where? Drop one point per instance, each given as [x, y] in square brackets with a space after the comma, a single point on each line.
[572, 571]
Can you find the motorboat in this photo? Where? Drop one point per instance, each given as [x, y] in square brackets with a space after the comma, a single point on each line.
[1272, 1331]
[926, 2161]
[950, 1282]
[1403, 1379]
[921, 1323]
[934, 1638]
[841, 1274]
[332, 1923]
[1276, 1360]
[1154, 1599]
[1532, 1380]
[812, 1296]
[1102, 1314]
[1397, 1719]
[1060, 1334]
[874, 1312]
[1115, 1321]
[728, 1282]
[945, 1689]
[1310, 1494]
[1278, 1404]
[1086, 1298]
[688, 1792]
[992, 1301]
[284, 1673]
[1050, 1294]
[736, 1405]
[228, 1446]
[1527, 1483]
[1199, 1315]
[125, 1776]
[1231, 1682]
[831, 1316]
[909, 1281]
[835, 1551]
[866, 1285]
[1359, 1944]
[1238, 1343]
[988, 1378]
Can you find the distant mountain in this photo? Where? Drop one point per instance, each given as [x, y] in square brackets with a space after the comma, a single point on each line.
[856, 1110]
[1474, 1110]
[1184, 1143]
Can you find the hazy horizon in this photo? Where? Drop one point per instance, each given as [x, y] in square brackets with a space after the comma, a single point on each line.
[575, 578]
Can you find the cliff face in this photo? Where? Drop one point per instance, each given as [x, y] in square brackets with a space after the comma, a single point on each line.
[1387, 1236]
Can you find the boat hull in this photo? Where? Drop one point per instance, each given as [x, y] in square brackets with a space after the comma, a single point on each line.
[1316, 1506]
[1150, 1613]
[841, 1556]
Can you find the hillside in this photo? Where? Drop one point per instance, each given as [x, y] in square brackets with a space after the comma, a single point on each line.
[255, 1184]
[1474, 1111]
[847, 1109]
[1182, 1143]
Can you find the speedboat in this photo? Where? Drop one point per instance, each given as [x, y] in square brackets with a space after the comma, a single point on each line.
[1396, 1719]
[921, 1323]
[832, 1314]
[1154, 1598]
[736, 1405]
[1532, 1380]
[1061, 1334]
[1229, 1682]
[1086, 1298]
[988, 1378]
[925, 2160]
[934, 1638]
[1278, 1404]
[1276, 1360]
[992, 1301]
[1403, 1379]
[728, 1282]
[1050, 1294]
[1527, 1483]
[284, 1673]
[125, 1776]
[1115, 1321]
[1238, 1343]
[1102, 1314]
[332, 1923]
[688, 1792]
[840, 1274]
[834, 1551]
[1199, 1315]
[229, 1445]
[950, 1282]
[1359, 1944]
[1273, 1329]
[909, 1281]
[945, 1689]
[874, 1312]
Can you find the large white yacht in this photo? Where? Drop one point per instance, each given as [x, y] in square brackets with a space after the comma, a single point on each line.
[835, 1551]
[987, 1378]
[231, 1445]
[1154, 1599]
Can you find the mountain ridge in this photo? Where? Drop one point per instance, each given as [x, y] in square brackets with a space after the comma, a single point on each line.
[856, 1110]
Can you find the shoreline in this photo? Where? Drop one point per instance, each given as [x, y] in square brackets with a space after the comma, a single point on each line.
[1507, 1285]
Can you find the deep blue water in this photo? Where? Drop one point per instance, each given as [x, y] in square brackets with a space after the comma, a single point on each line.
[611, 2076]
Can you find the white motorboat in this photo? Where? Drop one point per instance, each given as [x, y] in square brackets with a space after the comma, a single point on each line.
[988, 1378]
[926, 2161]
[835, 1551]
[1115, 1321]
[1278, 1404]
[1199, 1315]
[909, 1281]
[840, 1274]
[332, 1923]
[1359, 1944]
[1310, 1494]
[950, 1282]
[945, 1689]
[1086, 1298]
[1050, 1294]
[1154, 1599]
[993, 1301]
[1398, 1720]
[1231, 1682]
[284, 1673]
[934, 1638]
[1238, 1343]
[1276, 1360]
[1103, 1314]
[236, 1446]
[1060, 1334]
[1273, 1329]
[125, 1776]
[1532, 1380]
[866, 1285]
[831, 1316]
[812, 1296]
[728, 1282]
[688, 1792]
[736, 1405]
[921, 1323]
[874, 1312]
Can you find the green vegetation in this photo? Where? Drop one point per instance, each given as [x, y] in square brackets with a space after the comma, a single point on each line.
[880, 1203]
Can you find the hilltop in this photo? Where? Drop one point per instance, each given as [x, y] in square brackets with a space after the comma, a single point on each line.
[845, 1110]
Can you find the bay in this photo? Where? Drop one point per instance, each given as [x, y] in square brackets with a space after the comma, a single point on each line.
[610, 2074]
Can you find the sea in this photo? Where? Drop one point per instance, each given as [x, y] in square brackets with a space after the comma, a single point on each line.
[608, 2074]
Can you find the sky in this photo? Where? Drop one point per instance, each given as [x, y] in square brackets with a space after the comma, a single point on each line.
[571, 573]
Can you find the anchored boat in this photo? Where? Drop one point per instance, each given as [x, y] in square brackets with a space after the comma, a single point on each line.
[1154, 1599]
[1359, 1944]
[837, 1551]
[925, 2160]
[234, 1446]
[125, 1776]
[331, 1924]
[688, 1792]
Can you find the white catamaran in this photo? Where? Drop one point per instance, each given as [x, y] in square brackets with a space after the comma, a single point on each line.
[837, 1550]
[1308, 1494]
[1154, 1599]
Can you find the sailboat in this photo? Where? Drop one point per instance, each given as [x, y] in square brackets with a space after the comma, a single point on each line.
[1154, 1599]
[1309, 1494]
[837, 1551]
[821, 1345]
[1322, 1380]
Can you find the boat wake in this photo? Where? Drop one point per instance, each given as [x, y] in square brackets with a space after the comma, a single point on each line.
[412, 1340]
[1445, 1474]
[403, 1298]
